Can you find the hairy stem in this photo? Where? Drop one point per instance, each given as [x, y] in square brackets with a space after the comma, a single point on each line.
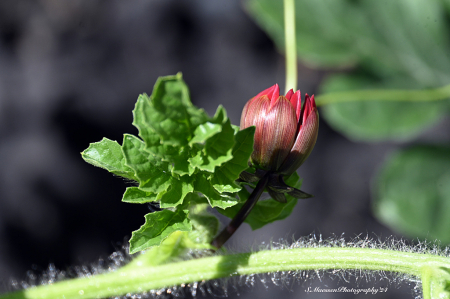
[421, 95]
[290, 44]
[229, 230]
[139, 279]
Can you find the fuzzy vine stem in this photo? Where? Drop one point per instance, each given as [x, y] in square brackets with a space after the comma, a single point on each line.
[140, 279]
[290, 44]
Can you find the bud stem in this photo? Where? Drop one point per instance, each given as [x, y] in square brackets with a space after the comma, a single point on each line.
[242, 214]
[290, 45]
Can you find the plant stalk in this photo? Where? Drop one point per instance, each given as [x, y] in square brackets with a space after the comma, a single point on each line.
[406, 95]
[229, 230]
[290, 45]
[140, 279]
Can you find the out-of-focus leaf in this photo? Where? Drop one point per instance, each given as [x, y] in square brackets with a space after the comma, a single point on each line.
[377, 120]
[412, 193]
[158, 226]
[393, 37]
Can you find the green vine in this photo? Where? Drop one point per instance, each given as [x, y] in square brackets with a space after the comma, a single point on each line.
[144, 278]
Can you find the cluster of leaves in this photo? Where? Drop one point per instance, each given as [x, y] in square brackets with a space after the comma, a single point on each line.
[386, 45]
[186, 161]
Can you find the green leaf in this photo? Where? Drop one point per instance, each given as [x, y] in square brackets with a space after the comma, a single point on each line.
[266, 211]
[377, 120]
[171, 248]
[158, 226]
[136, 195]
[108, 155]
[177, 154]
[435, 282]
[177, 191]
[218, 147]
[204, 132]
[153, 175]
[225, 176]
[170, 113]
[215, 199]
[394, 37]
[412, 193]
[205, 225]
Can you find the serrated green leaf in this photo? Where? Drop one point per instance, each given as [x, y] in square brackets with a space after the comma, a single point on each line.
[108, 155]
[377, 120]
[176, 155]
[153, 175]
[177, 191]
[215, 199]
[158, 226]
[266, 211]
[217, 150]
[205, 131]
[225, 176]
[412, 193]
[170, 113]
[136, 195]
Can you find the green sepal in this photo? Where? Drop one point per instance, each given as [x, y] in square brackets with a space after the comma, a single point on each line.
[108, 155]
[157, 227]
[136, 195]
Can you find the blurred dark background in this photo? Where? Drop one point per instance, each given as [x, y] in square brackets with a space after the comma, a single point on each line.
[70, 73]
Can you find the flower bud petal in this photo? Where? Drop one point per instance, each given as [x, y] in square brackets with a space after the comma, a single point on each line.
[272, 92]
[306, 137]
[278, 135]
[256, 115]
[296, 100]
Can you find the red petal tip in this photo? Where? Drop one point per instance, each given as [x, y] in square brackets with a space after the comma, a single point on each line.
[296, 101]
[313, 102]
[274, 93]
[289, 94]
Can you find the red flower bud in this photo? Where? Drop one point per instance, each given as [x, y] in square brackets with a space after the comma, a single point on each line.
[285, 132]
